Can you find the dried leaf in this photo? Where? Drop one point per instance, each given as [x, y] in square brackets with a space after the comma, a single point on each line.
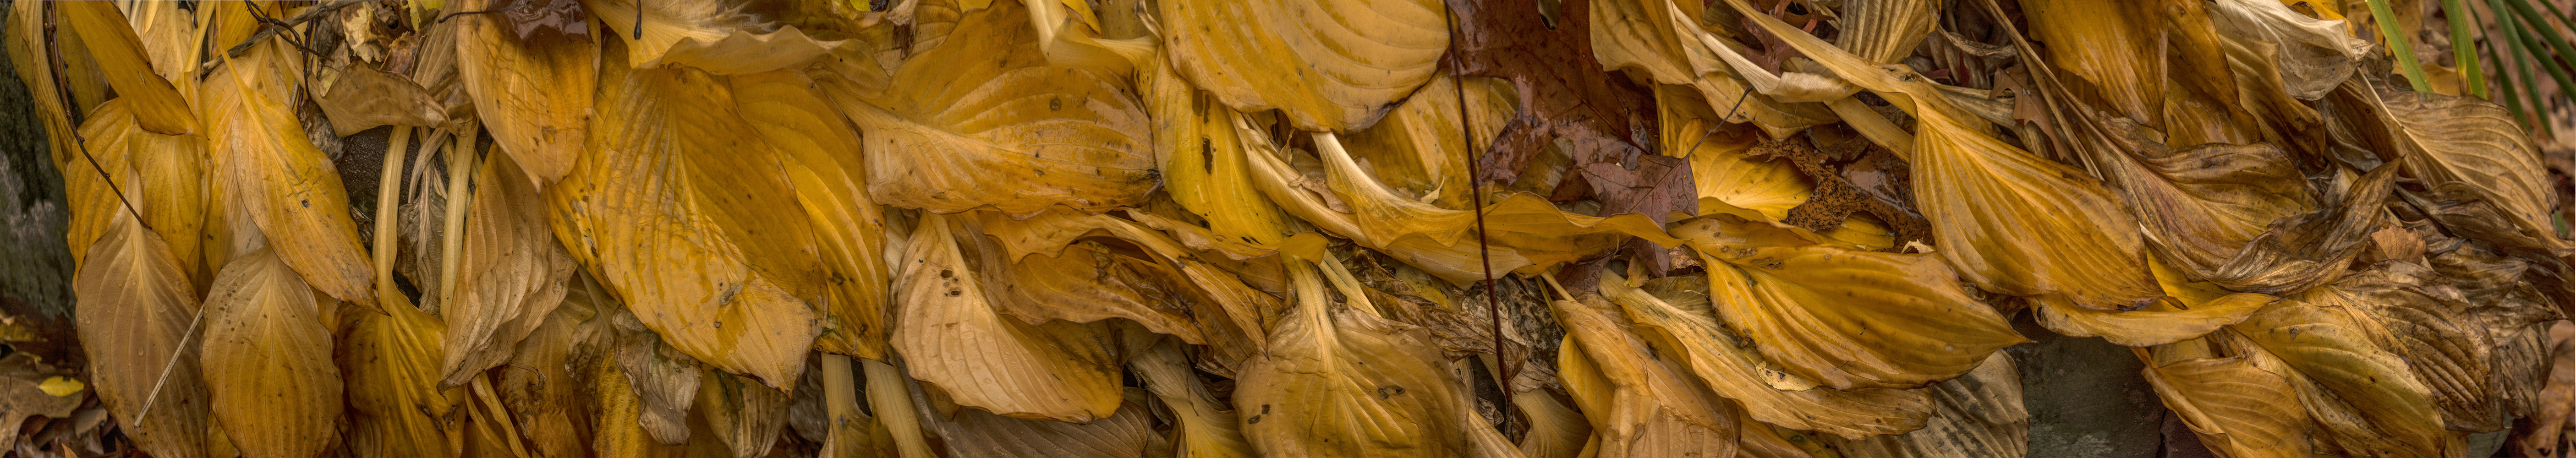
[396, 404]
[135, 306]
[1200, 155]
[664, 379]
[1639, 405]
[1842, 317]
[1978, 414]
[546, 383]
[2236, 408]
[1346, 373]
[989, 123]
[731, 37]
[815, 142]
[979, 433]
[953, 337]
[1204, 426]
[364, 97]
[511, 276]
[2471, 148]
[1767, 393]
[267, 359]
[1329, 65]
[170, 167]
[2324, 343]
[747, 415]
[266, 168]
[531, 78]
[105, 36]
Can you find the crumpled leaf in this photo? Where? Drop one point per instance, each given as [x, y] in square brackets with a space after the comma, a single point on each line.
[1639, 405]
[2008, 220]
[1525, 233]
[530, 72]
[2365, 397]
[547, 389]
[830, 183]
[663, 379]
[1345, 373]
[989, 123]
[364, 97]
[954, 338]
[656, 208]
[746, 415]
[2236, 407]
[2413, 315]
[2312, 55]
[511, 275]
[2298, 252]
[1767, 393]
[134, 307]
[1649, 35]
[266, 359]
[729, 37]
[1978, 414]
[1843, 317]
[105, 36]
[2469, 149]
[1204, 426]
[1329, 65]
[1229, 315]
[267, 169]
[396, 404]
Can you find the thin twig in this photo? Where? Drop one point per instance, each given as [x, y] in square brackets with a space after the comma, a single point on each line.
[1484, 250]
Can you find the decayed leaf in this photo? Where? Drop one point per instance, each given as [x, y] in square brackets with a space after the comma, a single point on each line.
[2312, 55]
[1978, 414]
[27, 390]
[1767, 393]
[1342, 381]
[979, 433]
[1639, 405]
[170, 167]
[103, 32]
[656, 206]
[512, 274]
[266, 168]
[546, 389]
[1330, 65]
[989, 123]
[2008, 220]
[2468, 148]
[2236, 407]
[953, 337]
[747, 416]
[396, 406]
[2298, 252]
[1843, 317]
[2366, 398]
[364, 97]
[530, 71]
[816, 143]
[1204, 427]
[664, 381]
[1525, 233]
[135, 305]
[2440, 336]
[730, 37]
[267, 359]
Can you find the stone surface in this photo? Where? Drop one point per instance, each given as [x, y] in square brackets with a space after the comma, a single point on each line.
[2085, 396]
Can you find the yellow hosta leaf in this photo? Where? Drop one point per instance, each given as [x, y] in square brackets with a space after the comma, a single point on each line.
[1421, 147]
[952, 337]
[721, 37]
[1087, 283]
[266, 168]
[1719, 165]
[1526, 233]
[1230, 316]
[1330, 65]
[978, 433]
[816, 144]
[2326, 344]
[1638, 405]
[988, 123]
[1205, 427]
[1767, 393]
[1843, 317]
[658, 202]
[2236, 408]
[1200, 156]
[396, 406]
[2465, 149]
[266, 359]
[163, 176]
[157, 105]
[531, 84]
[1342, 381]
[510, 277]
[2008, 220]
[134, 305]
[2195, 309]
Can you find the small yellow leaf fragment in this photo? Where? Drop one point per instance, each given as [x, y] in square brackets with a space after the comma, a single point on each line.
[60, 386]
